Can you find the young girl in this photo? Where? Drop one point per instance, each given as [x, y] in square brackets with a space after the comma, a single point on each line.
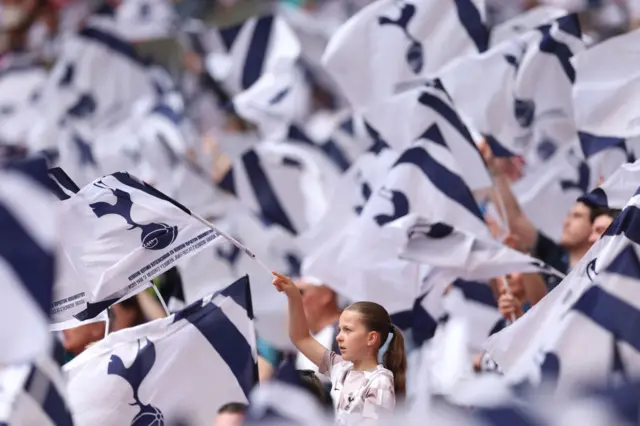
[362, 389]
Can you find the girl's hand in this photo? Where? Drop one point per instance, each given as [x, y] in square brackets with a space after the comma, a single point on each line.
[284, 284]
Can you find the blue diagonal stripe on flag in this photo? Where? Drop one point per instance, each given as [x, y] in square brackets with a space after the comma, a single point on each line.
[257, 52]
[223, 335]
[32, 264]
[471, 20]
[448, 182]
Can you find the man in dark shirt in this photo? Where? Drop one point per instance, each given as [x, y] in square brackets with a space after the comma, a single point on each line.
[578, 235]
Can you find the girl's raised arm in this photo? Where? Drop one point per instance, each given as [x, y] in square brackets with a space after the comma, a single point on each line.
[298, 328]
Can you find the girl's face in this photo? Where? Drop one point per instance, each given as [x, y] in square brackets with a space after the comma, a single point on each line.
[354, 340]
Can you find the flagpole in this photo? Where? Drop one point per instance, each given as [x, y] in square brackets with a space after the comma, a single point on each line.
[164, 305]
[501, 238]
[107, 323]
[503, 212]
[232, 241]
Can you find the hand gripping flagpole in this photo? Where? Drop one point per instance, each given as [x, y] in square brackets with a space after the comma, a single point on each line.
[232, 241]
[501, 238]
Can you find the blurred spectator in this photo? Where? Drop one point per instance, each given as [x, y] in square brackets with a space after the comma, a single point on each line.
[322, 312]
[511, 303]
[268, 359]
[76, 340]
[602, 219]
[231, 414]
[312, 383]
[574, 240]
[125, 314]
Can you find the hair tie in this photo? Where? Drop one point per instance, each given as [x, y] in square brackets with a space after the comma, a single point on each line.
[392, 329]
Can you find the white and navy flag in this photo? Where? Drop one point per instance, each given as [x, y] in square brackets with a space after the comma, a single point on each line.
[258, 62]
[76, 91]
[621, 235]
[30, 235]
[140, 20]
[524, 105]
[70, 292]
[20, 83]
[428, 113]
[119, 233]
[207, 351]
[392, 45]
[607, 86]
[602, 319]
[424, 180]
[35, 393]
[525, 361]
[280, 182]
[526, 21]
[214, 267]
[274, 101]
[605, 154]
[617, 189]
[476, 258]
[336, 143]
[241, 54]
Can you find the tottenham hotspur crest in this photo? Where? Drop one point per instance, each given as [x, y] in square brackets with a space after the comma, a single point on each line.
[135, 375]
[154, 236]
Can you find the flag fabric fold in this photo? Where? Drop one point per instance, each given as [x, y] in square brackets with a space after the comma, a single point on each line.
[128, 377]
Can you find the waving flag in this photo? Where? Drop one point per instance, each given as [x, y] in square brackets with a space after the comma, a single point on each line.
[527, 21]
[280, 182]
[165, 143]
[127, 377]
[419, 323]
[606, 86]
[428, 166]
[600, 318]
[258, 63]
[76, 92]
[515, 109]
[338, 141]
[604, 155]
[120, 233]
[619, 235]
[520, 360]
[243, 53]
[480, 310]
[427, 112]
[347, 201]
[618, 188]
[20, 83]
[274, 101]
[215, 266]
[516, 357]
[139, 20]
[70, 293]
[417, 37]
[28, 224]
[475, 258]
[329, 156]
[424, 180]
[35, 393]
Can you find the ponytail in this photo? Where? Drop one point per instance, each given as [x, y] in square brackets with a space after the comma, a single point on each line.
[395, 360]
